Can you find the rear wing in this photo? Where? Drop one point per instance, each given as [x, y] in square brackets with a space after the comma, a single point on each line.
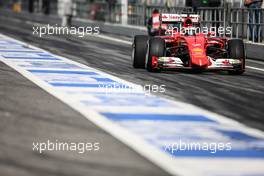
[170, 18]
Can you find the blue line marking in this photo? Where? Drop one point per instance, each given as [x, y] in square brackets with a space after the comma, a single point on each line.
[237, 135]
[163, 117]
[127, 99]
[33, 58]
[48, 65]
[9, 42]
[21, 51]
[248, 153]
[103, 79]
[98, 85]
[84, 92]
[45, 54]
[64, 72]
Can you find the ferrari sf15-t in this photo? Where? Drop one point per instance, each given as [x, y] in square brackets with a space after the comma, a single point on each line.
[187, 48]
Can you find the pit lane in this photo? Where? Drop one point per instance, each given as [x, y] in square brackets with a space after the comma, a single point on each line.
[237, 97]
[232, 96]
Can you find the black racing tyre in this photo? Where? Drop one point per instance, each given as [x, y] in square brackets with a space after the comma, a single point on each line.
[139, 51]
[156, 47]
[236, 50]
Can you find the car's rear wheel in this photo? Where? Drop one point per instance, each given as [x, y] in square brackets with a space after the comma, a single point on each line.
[156, 47]
[139, 50]
[236, 50]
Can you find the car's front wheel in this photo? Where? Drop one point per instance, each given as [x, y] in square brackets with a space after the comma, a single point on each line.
[236, 50]
[156, 47]
[139, 49]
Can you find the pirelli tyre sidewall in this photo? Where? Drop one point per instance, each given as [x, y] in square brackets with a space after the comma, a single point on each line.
[156, 47]
[236, 50]
[139, 49]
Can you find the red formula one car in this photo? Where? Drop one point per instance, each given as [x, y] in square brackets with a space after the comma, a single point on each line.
[186, 48]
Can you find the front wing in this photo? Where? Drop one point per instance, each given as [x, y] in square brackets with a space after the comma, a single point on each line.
[172, 63]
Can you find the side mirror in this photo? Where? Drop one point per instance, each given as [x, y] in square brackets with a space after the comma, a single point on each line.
[211, 34]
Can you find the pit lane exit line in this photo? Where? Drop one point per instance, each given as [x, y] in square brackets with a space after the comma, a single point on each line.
[255, 68]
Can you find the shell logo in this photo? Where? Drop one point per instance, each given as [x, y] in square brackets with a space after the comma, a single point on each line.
[197, 50]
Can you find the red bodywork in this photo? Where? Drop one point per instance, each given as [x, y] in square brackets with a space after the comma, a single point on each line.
[195, 47]
[187, 49]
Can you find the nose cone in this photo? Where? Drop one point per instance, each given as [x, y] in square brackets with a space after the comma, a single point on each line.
[197, 51]
[198, 57]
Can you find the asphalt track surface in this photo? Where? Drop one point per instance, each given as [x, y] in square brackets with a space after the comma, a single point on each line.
[29, 114]
[43, 117]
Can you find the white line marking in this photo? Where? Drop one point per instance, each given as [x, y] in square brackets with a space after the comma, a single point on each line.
[255, 68]
[112, 39]
[253, 43]
[98, 36]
